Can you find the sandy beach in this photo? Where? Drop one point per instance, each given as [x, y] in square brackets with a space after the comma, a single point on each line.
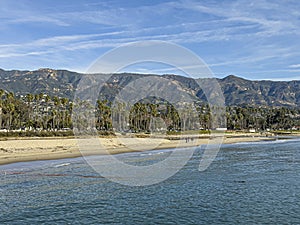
[19, 150]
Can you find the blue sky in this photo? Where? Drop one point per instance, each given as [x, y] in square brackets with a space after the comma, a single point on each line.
[252, 39]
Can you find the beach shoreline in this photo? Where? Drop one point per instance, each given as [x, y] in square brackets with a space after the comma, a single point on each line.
[32, 149]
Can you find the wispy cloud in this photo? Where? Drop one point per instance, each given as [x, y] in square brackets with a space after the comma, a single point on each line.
[50, 45]
[114, 39]
[295, 66]
[38, 19]
[237, 34]
[271, 17]
[23, 13]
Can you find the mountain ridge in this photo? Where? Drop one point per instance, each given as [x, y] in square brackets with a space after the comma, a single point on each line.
[236, 90]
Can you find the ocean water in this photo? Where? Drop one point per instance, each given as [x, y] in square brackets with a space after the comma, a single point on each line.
[248, 183]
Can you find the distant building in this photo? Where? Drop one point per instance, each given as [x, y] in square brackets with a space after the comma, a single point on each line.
[221, 129]
[296, 128]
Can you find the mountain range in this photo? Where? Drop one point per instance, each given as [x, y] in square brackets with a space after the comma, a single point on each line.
[236, 90]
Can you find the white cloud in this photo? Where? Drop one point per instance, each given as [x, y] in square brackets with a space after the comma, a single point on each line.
[296, 66]
[102, 40]
[247, 27]
[38, 19]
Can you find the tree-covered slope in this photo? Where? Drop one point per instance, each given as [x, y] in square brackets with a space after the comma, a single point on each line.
[236, 90]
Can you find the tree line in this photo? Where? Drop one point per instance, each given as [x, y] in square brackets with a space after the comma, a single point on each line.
[44, 112]
[34, 112]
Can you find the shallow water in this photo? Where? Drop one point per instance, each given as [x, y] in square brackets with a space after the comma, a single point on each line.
[248, 183]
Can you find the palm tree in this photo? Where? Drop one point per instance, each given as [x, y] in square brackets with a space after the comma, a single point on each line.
[1, 105]
[55, 113]
[29, 99]
[10, 108]
[46, 118]
[64, 102]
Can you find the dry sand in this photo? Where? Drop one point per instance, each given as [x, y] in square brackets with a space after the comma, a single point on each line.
[19, 150]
